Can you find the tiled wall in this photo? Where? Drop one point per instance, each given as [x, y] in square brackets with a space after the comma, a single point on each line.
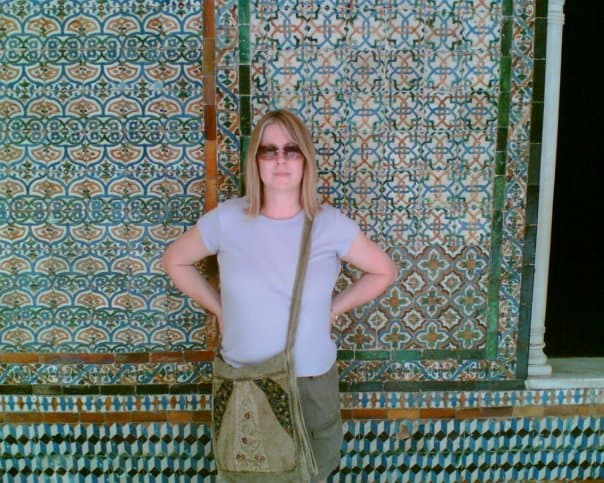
[121, 122]
[421, 114]
[555, 435]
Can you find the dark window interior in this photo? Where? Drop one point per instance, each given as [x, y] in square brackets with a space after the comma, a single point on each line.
[575, 311]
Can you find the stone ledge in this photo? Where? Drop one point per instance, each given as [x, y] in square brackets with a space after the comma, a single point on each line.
[571, 373]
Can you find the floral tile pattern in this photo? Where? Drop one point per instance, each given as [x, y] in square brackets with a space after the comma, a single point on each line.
[119, 127]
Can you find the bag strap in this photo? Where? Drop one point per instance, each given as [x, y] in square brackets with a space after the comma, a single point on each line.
[294, 310]
[305, 449]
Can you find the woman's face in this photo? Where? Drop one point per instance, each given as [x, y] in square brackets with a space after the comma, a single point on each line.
[280, 161]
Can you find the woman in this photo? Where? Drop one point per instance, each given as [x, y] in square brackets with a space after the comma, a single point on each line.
[257, 241]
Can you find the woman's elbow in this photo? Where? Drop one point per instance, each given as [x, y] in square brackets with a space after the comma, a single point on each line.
[391, 272]
[167, 260]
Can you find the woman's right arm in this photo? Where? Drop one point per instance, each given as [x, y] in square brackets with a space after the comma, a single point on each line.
[179, 263]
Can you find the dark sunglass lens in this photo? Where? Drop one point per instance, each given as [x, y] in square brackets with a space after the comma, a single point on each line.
[289, 150]
[267, 151]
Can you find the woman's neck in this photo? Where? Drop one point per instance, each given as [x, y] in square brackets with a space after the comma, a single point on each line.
[281, 206]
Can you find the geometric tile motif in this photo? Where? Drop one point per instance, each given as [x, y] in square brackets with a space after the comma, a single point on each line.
[504, 450]
[200, 401]
[439, 302]
[101, 404]
[130, 451]
[101, 374]
[473, 450]
[102, 165]
[374, 371]
[404, 103]
[471, 399]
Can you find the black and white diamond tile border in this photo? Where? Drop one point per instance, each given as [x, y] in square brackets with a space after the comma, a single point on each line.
[485, 450]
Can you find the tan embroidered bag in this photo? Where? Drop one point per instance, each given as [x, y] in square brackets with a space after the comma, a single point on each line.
[258, 431]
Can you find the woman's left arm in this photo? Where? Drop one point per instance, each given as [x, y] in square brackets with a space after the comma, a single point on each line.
[379, 273]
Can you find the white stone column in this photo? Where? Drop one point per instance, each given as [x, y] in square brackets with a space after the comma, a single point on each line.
[537, 361]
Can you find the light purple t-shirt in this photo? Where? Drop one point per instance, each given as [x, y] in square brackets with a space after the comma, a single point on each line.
[257, 259]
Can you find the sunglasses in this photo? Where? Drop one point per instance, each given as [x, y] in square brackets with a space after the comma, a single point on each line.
[291, 152]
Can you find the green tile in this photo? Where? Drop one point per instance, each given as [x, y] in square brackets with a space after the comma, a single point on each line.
[16, 389]
[184, 388]
[437, 354]
[534, 164]
[536, 122]
[243, 11]
[363, 386]
[524, 333]
[507, 7]
[506, 36]
[244, 80]
[503, 113]
[244, 44]
[539, 80]
[498, 191]
[372, 355]
[532, 204]
[73, 389]
[405, 355]
[541, 8]
[47, 389]
[528, 276]
[499, 385]
[502, 139]
[245, 114]
[530, 244]
[345, 355]
[245, 141]
[204, 388]
[403, 386]
[244, 54]
[505, 75]
[445, 385]
[500, 160]
[460, 355]
[110, 389]
[491, 349]
[540, 38]
[494, 268]
[467, 355]
[152, 388]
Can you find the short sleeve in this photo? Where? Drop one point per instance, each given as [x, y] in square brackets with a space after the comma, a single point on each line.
[346, 230]
[209, 229]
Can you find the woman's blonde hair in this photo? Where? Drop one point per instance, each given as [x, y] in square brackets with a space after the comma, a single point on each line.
[301, 136]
